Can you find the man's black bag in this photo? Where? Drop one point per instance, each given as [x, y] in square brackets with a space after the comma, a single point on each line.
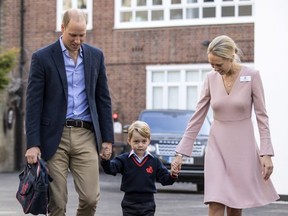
[33, 191]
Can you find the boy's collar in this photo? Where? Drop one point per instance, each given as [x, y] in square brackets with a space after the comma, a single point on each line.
[145, 154]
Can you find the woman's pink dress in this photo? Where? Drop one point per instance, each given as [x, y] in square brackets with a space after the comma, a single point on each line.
[232, 161]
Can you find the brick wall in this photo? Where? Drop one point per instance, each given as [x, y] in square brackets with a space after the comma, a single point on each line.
[126, 60]
[127, 52]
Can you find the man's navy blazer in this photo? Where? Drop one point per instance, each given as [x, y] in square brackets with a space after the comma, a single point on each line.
[47, 96]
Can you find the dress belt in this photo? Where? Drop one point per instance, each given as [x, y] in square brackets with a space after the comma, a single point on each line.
[79, 123]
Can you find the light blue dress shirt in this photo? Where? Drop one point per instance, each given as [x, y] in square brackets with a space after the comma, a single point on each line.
[77, 98]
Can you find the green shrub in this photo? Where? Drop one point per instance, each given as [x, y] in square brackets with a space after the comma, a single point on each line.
[8, 61]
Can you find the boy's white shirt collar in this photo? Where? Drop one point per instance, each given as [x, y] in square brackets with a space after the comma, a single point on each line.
[139, 159]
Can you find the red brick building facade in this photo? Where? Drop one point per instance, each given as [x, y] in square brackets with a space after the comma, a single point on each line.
[127, 50]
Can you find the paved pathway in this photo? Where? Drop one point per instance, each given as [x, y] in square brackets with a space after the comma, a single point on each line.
[176, 200]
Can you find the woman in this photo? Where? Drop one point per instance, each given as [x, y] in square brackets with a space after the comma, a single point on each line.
[237, 172]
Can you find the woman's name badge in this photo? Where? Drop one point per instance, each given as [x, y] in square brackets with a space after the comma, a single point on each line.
[245, 78]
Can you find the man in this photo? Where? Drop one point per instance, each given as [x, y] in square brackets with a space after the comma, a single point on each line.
[68, 114]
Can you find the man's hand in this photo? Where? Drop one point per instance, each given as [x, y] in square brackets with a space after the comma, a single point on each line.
[32, 154]
[106, 151]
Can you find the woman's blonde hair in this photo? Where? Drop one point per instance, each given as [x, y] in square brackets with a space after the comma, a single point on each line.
[223, 46]
[141, 127]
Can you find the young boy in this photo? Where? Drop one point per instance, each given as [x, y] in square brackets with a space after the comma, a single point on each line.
[139, 170]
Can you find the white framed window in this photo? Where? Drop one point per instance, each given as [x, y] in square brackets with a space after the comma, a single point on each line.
[174, 86]
[85, 5]
[159, 13]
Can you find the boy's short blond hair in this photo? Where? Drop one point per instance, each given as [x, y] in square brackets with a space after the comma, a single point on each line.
[141, 127]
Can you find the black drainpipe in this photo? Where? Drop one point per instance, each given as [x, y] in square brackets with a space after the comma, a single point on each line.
[19, 108]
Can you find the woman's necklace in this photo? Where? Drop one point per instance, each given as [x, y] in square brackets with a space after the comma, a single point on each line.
[229, 80]
[228, 83]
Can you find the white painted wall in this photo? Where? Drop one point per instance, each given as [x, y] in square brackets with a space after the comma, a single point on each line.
[271, 58]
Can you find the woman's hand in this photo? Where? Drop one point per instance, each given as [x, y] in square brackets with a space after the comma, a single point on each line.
[267, 166]
[177, 162]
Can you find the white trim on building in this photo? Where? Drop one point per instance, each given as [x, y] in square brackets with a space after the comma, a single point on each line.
[175, 86]
[164, 13]
[85, 5]
[271, 33]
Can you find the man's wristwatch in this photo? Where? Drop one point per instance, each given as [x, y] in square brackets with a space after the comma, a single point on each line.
[178, 154]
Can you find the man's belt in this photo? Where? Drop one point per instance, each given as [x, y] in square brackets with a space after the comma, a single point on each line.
[79, 123]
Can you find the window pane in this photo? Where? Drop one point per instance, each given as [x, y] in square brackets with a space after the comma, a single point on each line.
[209, 12]
[126, 3]
[173, 76]
[176, 14]
[157, 96]
[126, 16]
[192, 1]
[67, 4]
[228, 11]
[141, 16]
[192, 13]
[176, 2]
[192, 97]
[86, 15]
[158, 15]
[204, 74]
[141, 2]
[82, 4]
[173, 93]
[157, 2]
[158, 76]
[245, 10]
[192, 76]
